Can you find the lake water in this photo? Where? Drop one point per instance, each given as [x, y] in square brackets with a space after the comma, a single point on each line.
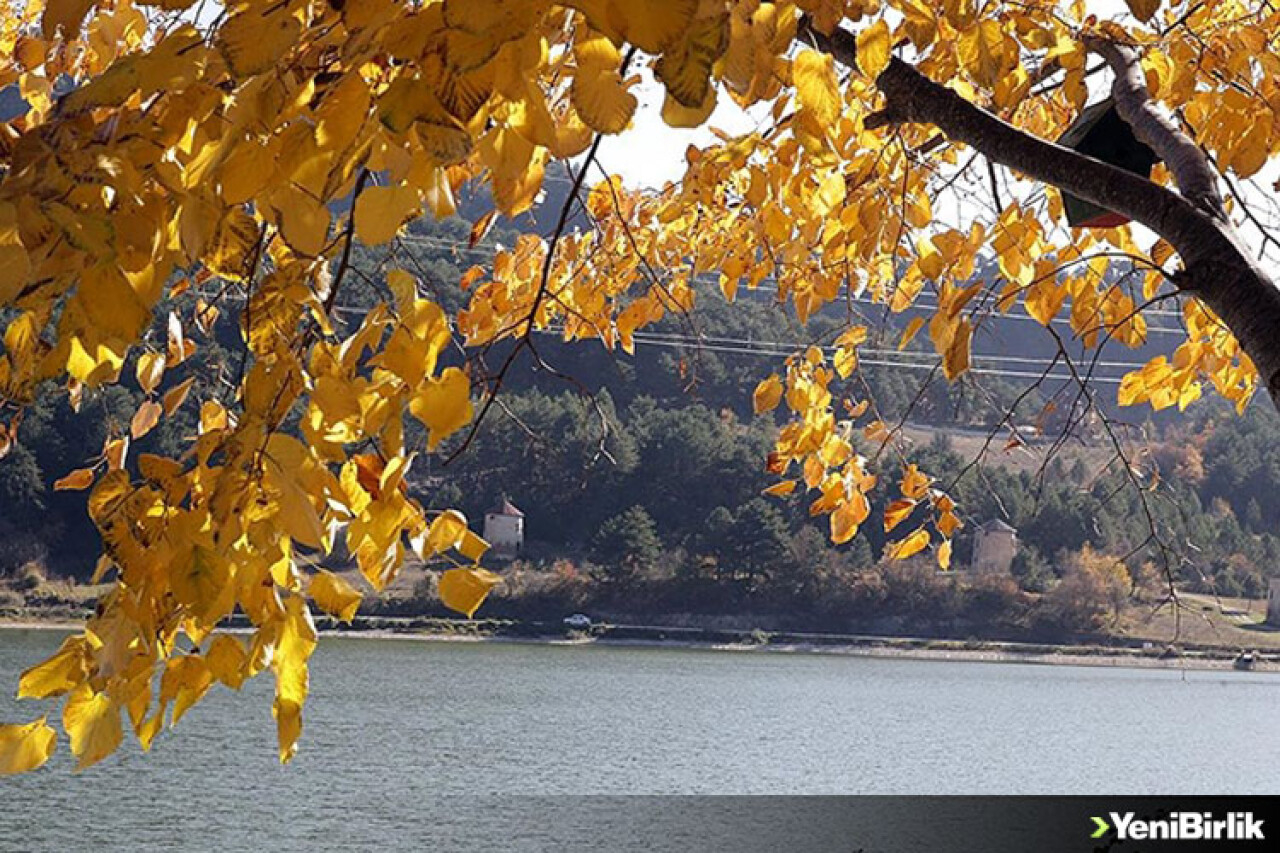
[400, 735]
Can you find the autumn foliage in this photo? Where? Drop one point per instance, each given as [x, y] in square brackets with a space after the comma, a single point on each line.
[239, 151]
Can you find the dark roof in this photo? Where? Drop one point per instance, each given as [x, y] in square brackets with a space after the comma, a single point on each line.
[998, 524]
[1085, 123]
[1101, 133]
[506, 507]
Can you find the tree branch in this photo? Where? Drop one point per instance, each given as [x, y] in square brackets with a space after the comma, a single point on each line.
[1219, 268]
[910, 96]
[1184, 159]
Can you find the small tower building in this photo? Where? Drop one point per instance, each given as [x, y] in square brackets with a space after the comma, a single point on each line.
[994, 546]
[504, 529]
[1273, 602]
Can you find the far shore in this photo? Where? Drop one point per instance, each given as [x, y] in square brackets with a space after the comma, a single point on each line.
[757, 642]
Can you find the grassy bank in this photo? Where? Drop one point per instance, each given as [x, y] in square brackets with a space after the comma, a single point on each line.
[1149, 655]
[1199, 631]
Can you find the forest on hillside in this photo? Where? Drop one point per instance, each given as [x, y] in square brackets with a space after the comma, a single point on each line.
[641, 476]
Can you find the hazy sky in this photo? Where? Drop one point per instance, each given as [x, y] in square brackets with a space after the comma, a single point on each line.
[650, 153]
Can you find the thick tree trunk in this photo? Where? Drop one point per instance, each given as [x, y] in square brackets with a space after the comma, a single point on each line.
[1218, 268]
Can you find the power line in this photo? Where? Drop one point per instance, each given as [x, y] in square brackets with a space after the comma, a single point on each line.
[1014, 359]
[779, 350]
[907, 365]
[709, 280]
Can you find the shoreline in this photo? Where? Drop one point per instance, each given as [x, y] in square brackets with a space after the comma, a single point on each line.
[855, 646]
[1062, 655]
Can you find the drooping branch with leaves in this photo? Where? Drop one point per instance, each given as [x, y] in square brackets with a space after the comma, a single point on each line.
[237, 152]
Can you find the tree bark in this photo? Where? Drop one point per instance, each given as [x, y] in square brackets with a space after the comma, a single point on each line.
[1218, 268]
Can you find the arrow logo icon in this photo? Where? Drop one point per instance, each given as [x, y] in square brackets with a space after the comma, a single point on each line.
[1103, 828]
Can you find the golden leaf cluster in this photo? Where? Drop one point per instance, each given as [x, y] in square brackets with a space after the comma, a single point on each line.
[244, 156]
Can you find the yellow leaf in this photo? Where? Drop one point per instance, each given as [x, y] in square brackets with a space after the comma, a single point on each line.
[443, 405]
[335, 596]
[202, 583]
[304, 221]
[1161, 252]
[114, 452]
[226, 659]
[24, 748]
[919, 22]
[817, 87]
[92, 362]
[1132, 389]
[1044, 300]
[472, 546]
[847, 517]
[767, 395]
[230, 250]
[913, 544]
[446, 531]
[150, 370]
[915, 484]
[685, 67]
[913, 329]
[255, 39]
[830, 194]
[480, 228]
[404, 287]
[438, 194]
[601, 98]
[955, 360]
[175, 339]
[463, 590]
[288, 462]
[185, 681]
[81, 478]
[92, 720]
[845, 361]
[411, 104]
[1189, 395]
[57, 675]
[380, 211]
[109, 495]
[1143, 10]
[15, 265]
[293, 650]
[874, 48]
[177, 395]
[344, 111]
[297, 642]
[944, 555]
[782, 489]
[897, 512]
[64, 15]
[246, 171]
[676, 114]
[948, 524]
[653, 26]
[983, 52]
[213, 417]
[1252, 150]
[145, 419]
[288, 727]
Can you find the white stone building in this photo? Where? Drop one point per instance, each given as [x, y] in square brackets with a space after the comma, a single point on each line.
[1273, 602]
[504, 529]
[994, 546]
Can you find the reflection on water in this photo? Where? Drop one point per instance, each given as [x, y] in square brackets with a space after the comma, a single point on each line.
[396, 728]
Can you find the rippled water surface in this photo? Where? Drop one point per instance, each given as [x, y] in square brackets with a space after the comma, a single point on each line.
[397, 729]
